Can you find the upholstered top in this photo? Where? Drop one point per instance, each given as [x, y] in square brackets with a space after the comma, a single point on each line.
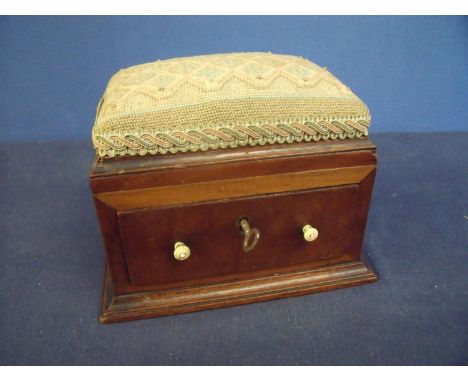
[224, 100]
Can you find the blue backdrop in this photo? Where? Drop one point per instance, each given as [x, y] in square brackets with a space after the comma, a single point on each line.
[411, 71]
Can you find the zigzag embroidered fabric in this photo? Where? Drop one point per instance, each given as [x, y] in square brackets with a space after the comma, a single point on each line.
[221, 101]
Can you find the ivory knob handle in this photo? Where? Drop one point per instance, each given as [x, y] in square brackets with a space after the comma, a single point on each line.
[310, 233]
[181, 251]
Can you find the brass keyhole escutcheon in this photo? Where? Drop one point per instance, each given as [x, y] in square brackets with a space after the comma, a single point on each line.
[251, 235]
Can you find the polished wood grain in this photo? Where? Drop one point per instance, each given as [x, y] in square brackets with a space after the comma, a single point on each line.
[213, 234]
[146, 204]
[233, 188]
[136, 173]
[137, 165]
[118, 308]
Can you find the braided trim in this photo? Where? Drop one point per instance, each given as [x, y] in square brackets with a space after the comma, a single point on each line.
[209, 138]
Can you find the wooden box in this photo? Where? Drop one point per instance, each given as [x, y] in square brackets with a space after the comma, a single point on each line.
[146, 206]
[212, 228]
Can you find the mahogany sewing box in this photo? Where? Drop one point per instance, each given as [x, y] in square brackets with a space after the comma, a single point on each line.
[228, 179]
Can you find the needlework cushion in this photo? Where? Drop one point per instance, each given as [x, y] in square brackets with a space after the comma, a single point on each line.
[221, 101]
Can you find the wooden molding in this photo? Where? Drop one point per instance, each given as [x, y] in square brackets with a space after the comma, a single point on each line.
[117, 308]
[233, 188]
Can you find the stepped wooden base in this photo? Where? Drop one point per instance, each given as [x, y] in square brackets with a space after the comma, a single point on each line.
[116, 308]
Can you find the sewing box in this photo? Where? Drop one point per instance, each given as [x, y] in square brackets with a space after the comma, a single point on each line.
[229, 179]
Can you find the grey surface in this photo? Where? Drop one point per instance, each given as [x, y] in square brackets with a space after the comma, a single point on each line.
[417, 238]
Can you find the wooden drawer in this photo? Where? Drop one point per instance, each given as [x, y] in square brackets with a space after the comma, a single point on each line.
[212, 231]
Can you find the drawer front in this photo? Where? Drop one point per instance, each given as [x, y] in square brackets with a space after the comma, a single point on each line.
[213, 234]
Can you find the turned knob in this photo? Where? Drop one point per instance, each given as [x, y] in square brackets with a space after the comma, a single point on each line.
[310, 233]
[181, 251]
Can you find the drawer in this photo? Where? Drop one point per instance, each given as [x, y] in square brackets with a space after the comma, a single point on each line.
[212, 232]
